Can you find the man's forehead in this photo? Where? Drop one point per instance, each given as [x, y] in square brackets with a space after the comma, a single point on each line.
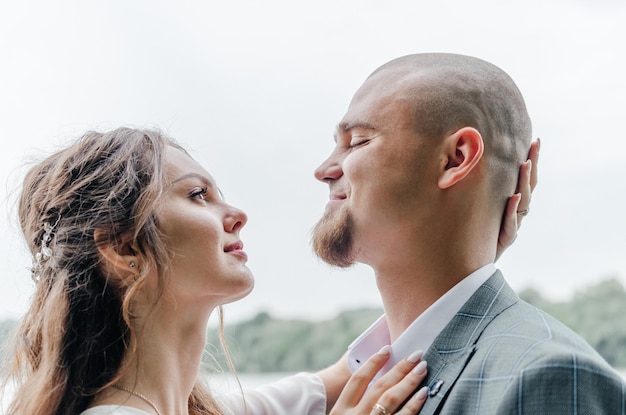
[385, 96]
[385, 89]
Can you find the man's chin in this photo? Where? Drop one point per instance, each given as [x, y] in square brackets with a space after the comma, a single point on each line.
[332, 238]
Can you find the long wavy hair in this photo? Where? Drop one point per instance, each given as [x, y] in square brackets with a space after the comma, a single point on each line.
[73, 340]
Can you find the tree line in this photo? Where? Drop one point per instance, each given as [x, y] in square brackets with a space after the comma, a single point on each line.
[267, 344]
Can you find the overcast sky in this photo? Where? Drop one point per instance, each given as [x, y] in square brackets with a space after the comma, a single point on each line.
[254, 90]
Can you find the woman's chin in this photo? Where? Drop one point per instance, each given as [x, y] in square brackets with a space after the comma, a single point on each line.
[243, 292]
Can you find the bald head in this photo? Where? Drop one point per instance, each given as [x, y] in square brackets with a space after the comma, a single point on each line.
[449, 92]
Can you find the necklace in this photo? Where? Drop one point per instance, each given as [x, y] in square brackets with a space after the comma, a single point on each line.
[139, 395]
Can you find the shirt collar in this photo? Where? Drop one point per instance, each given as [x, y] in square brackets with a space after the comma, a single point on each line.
[424, 329]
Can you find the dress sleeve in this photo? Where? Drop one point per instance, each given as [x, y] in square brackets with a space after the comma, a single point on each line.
[301, 394]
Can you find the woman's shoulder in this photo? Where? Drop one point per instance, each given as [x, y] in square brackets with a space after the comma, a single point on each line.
[113, 410]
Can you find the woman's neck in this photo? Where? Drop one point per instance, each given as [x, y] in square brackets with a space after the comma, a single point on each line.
[165, 365]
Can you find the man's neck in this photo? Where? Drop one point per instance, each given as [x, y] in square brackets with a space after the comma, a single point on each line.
[417, 262]
[407, 294]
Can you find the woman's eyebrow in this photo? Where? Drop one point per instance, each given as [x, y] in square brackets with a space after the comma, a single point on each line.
[202, 178]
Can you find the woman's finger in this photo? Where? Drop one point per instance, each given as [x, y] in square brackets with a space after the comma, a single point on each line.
[527, 180]
[508, 231]
[403, 390]
[533, 156]
[388, 393]
[414, 405]
[518, 205]
[524, 189]
[398, 372]
[361, 378]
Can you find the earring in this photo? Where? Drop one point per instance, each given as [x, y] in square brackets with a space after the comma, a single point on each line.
[132, 265]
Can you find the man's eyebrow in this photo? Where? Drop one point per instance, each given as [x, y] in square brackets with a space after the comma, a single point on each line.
[346, 127]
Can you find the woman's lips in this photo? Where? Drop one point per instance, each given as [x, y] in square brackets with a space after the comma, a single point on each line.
[236, 248]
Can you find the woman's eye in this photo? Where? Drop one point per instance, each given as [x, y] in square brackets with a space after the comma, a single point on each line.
[199, 193]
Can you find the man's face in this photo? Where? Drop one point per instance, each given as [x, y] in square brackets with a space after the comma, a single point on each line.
[378, 175]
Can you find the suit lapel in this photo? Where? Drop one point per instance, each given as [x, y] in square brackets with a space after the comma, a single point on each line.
[455, 345]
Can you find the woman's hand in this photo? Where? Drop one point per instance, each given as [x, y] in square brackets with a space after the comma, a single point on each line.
[518, 205]
[388, 393]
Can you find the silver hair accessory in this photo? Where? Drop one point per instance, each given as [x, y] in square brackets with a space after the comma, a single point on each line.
[45, 252]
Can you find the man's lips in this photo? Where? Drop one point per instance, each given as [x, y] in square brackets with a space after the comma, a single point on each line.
[335, 199]
[337, 196]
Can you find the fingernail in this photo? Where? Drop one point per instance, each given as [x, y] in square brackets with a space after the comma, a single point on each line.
[420, 369]
[422, 393]
[415, 356]
[384, 350]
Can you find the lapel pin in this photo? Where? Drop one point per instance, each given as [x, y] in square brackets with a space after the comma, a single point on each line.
[434, 389]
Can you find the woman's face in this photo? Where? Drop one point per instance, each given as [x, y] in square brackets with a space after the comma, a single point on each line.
[202, 233]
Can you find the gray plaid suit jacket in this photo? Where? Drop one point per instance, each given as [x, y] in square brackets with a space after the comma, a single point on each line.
[500, 355]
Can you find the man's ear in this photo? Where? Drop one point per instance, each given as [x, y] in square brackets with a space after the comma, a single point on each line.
[463, 150]
[119, 258]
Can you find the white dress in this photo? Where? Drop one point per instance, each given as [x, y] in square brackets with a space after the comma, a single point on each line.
[301, 394]
[114, 410]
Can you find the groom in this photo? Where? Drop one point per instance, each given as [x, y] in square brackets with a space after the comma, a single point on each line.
[426, 158]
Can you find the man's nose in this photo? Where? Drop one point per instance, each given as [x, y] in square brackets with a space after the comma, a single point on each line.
[330, 169]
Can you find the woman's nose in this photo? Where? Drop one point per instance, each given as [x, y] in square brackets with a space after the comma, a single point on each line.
[235, 219]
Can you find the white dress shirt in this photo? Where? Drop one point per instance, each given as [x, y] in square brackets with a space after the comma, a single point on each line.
[423, 331]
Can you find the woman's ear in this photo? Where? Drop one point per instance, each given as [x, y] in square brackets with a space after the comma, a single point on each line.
[463, 151]
[119, 258]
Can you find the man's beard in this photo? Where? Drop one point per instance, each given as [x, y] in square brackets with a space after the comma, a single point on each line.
[332, 238]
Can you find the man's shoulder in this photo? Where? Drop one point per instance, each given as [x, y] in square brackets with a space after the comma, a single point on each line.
[525, 361]
[526, 337]
[503, 355]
